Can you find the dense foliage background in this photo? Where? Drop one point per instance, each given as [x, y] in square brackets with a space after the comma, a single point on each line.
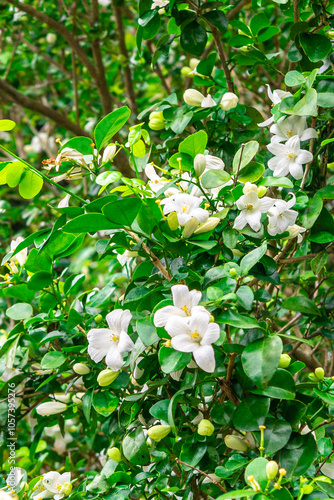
[166, 231]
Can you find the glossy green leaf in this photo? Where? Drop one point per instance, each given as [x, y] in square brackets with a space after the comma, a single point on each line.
[251, 413]
[110, 125]
[171, 360]
[122, 212]
[246, 154]
[297, 459]
[19, 311]
[52, 359]
[105, 403]
[88, 223]
[30, 185]
[301, 304]
[194, 144]
[193, 38]
[214, 178]
[249, 260]
[281, 386]
[316, 46]
[135, 448]
[260, 359]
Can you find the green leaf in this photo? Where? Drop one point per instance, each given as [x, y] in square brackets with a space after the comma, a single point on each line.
[276, 435]
[122, 212]
[218, 19]
[88, 223]
[135, 448]
[301, 304]
[14, 171]
[214, 178]
[107, 178]
[6, 125]
[307, 106]
[146, 331]
[325, 397]
[245, 297]
[316, 47]
[40, 280]
[258, 22]
[309, 215]
[257, 468]
[276, 181]
[326, 99]
[268, 33]
[249, 260]
[30, 185]
[240, 41]
[260, 359]
[248, 152]
[105, 403]
[87, 404]
[187, 161]
[193, 38]
[322, 237]
[192, 453]
[194, 144]
[110, 125]
[294, 79]
[233, 318]
[237, 494]
[81, 144]
[252, 172]
[19, 311]
[281, 386]
[172, 361]
[297, 459]
[251, 413]
[52, 360]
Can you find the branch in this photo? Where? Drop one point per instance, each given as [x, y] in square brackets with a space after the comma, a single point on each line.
[154, 259]
[221, 53]
[221, 487]
[36, 106]
[124, 51]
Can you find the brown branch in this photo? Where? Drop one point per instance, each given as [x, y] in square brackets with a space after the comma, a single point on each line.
[221, 53]
[220, 486]
[36, 106]
[154, 259]
[129, 91]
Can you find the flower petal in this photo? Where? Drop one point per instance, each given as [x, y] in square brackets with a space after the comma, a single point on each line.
[205, 358]
[296, 170]
[304, 157]
[99, 343]
[211, 335]
[114, 359]
[177, 326]
[309, 133]
[118, 320]
[253, 218]
[125, 343]
[184, 343]
[181, 296]
[165, 313]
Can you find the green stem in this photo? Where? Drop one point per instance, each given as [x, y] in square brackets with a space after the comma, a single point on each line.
[43, 176]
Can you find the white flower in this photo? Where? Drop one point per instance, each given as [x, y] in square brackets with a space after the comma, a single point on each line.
[184, 301]
[203, 163]
[109, 153]
[21, 256]
[195, 335]
[155, 182]
[4, 495]
[281, 217]
[111, 342]
[126, 257]
[229, 101]
[51, 38]
[159, 3]
[251, 207]
[51, 408]
[195, 98]
[61, 441]
[296, 231]
[186, 207]
[64, 201]
[39, 143]
[288, 158]
[58, 484]
[286, 128]
[275, 98]
[104, 3]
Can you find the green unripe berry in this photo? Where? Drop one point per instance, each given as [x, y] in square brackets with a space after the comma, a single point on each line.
[233, 272]
[114, 454]
[271, 469]
[284, 361]
[319, 373]
[185, 71]
[98, 318]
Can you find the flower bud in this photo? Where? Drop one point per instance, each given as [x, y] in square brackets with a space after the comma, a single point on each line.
[172, 221]
[330, 34]
[77, 398]
[229, 101]
[158, 432]
[66, 488]
[271, 469]
[193, 97]
[261, 191]
[235, 443]
[210, 224]
[98, 318]
[205, 428]
[51, 408]
[185, 71]
[284, 361]
[199, 164]
[62, 397]
[233, 272]
[106, 377]
[114, 454]
[109, 153]
[51, 38]
[319, 373]
[157, 121]
[193, 63]
[190, 227]
[81, 368]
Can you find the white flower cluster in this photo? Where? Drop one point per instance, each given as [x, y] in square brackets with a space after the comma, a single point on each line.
[189, 326]
[53, 485]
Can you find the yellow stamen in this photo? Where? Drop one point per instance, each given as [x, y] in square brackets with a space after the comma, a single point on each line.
[158, 202]
[194, 335]
[185, 309]
[168, 343]
[206, 205]
[58, 487]
[114, 338]
[58, 140]
[250, 206]
[262, 427]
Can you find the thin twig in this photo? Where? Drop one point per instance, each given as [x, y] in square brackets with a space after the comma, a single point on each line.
[154, 259]
[221, 487]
